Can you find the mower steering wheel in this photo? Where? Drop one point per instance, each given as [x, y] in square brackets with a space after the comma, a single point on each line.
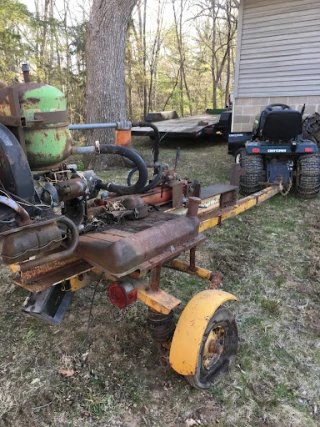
[282, 106]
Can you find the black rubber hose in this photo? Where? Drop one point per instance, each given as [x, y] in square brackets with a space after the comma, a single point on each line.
[136, 159]
[130, 174]
[152, 184]
[155, 207]
[156, 144]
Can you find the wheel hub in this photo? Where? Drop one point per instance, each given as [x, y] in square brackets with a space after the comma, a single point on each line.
[213, 348]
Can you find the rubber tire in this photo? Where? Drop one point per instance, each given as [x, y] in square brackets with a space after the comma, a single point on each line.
[311, 128]
[308, 176]
[252, 164]
[203, 378]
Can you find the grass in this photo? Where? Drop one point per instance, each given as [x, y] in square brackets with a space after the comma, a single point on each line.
[269, 257]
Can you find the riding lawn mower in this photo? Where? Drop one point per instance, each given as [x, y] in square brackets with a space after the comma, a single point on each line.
[277, 152]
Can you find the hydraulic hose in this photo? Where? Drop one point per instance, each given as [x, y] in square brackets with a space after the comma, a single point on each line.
[152, 184]
[156, 145]
[136, 159]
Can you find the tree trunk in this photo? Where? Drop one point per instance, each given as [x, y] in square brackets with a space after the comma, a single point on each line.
[145, 100]
[213, 57]
[105, 50]
[129, 75]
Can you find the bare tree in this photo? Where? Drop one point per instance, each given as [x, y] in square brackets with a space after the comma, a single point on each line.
[141, 42]
[178, 23]
[154, 54]
[218, 35]
[129, 62]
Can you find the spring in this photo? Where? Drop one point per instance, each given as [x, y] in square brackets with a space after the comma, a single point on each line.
[161, 326]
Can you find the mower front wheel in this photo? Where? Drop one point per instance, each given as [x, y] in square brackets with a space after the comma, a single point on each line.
[252, 164]
[308, 176]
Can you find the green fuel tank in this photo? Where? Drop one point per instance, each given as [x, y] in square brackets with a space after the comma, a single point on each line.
[37, 115]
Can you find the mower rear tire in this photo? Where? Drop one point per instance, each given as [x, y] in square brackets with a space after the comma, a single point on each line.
[308, 176]
[252, 164]
[311, 128]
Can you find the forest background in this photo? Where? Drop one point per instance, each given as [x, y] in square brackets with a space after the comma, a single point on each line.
[180, 54]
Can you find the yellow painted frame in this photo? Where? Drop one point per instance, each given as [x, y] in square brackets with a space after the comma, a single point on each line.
[187, 338]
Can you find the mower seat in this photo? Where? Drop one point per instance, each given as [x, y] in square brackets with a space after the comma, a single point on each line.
[281, 124]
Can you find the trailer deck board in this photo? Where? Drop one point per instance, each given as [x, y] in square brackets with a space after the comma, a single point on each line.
[215, 189]
[193, 125]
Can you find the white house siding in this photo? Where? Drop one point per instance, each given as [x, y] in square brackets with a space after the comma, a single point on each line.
[278, 57]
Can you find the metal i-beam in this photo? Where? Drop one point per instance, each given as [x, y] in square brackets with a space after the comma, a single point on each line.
[215, 218]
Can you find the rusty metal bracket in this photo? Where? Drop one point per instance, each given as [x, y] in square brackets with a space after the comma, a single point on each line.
[177, 193]
[12, 121]
[159, 300]
[192, 264]
[193, 189]
[184, 267]
[229, 198]
[216, 280]
[154, 281]
[16, 112]
[236, 172]
[43, 277]
[50, 117]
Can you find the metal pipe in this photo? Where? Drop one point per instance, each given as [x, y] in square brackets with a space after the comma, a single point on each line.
[193, 206]
[128, 126]
[57, 256]
[26, 73]
[25, 218]
[177, 158]
[156, 145]
[83, 150]
[184, 267]
[89, 126]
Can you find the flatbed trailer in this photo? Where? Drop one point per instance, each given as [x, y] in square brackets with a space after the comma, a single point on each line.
[192, 127]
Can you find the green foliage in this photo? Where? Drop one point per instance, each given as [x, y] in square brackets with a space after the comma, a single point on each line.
[53, 44]
[14, 18]
[207, 59]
